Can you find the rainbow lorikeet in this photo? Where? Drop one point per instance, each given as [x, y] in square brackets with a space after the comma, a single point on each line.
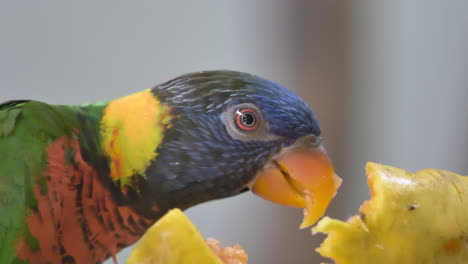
[79, 183]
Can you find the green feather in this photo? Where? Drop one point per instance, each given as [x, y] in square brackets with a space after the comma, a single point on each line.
[26, 130]
[8, 118]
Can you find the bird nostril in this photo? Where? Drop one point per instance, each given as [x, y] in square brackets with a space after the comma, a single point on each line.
[314, 140]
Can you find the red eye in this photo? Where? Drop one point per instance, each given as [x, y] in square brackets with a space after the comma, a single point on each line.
[246, 119]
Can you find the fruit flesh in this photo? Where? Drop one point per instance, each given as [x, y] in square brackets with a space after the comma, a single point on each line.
[411, 218]
[173, 239]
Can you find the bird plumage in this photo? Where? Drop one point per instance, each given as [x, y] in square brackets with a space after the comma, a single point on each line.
[79, 183]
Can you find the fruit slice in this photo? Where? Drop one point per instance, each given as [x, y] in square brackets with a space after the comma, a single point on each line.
[173, 239]
[411, 218]
[229, 255]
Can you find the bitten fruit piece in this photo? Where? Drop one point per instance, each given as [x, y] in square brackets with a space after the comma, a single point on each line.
[411, 218]
[229, 255]
[173, 239]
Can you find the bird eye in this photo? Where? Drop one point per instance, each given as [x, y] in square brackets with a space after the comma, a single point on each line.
[246, 119]
[246, 122]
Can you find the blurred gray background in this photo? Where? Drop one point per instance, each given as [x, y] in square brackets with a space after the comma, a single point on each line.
[388, 80]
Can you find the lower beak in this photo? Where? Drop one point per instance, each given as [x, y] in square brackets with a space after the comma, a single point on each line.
[300, 177]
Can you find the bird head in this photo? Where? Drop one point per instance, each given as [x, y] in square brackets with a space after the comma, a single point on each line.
[231, 132]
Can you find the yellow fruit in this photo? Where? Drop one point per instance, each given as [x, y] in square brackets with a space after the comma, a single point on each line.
[411, 218]
[172, 240]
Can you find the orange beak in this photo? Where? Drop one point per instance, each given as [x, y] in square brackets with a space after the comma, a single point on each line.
[299, 177]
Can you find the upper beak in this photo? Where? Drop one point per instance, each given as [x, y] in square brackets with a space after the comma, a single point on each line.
[300, 176]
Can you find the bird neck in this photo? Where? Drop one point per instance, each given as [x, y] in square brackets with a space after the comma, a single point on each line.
[131, 129]
[120, 139]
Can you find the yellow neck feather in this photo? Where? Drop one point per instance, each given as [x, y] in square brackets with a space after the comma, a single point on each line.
[132, 128]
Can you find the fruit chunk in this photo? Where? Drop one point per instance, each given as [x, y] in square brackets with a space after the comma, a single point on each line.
[173, 239]
[229, 255]
[411, 218]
